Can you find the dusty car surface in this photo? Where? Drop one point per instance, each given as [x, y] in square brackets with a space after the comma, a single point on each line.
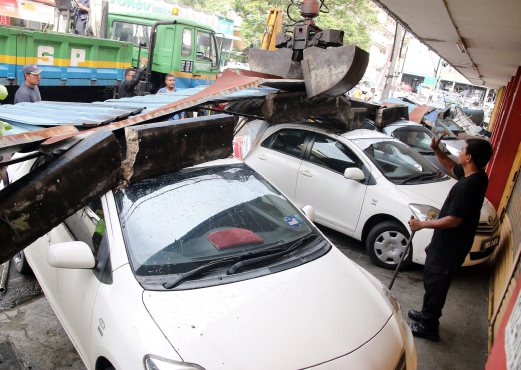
[210, 267]
[362, 183]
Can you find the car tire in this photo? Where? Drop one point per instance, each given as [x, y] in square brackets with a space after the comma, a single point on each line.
[386, 244]
[21, 265]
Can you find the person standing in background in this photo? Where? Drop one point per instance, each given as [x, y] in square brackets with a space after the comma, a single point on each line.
[132, 76]
[29, 92]
[170, 89]
[81, 15]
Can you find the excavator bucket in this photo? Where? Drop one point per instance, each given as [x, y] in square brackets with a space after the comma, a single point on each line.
[334, 71]
[329, 72]
[312, 54]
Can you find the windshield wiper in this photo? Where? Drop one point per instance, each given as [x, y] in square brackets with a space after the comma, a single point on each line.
[199, 270]
[275, 253]
[420, 176]
[217, 263]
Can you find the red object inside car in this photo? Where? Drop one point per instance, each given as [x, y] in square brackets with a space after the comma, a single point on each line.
[229, 238]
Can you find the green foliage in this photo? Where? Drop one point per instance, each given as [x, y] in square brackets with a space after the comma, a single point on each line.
[4, 126]
[354, 17]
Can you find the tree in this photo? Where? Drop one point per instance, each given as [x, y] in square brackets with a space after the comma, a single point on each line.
[354, 17]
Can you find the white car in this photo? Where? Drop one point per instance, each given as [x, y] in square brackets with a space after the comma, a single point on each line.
[211, 267]
[362, 183]
[419, 137]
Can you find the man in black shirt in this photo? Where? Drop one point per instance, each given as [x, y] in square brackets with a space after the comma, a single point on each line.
[132, 77]
[454, 231]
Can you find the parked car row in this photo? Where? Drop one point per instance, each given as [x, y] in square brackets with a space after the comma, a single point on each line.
[362, 183]
[220, 265]
[211, 267]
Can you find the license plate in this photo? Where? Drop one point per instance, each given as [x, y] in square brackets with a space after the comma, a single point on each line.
[490, 243]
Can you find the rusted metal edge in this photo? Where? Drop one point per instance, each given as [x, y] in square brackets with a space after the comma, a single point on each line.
[30, 140]
[42, 199]
[231, 81]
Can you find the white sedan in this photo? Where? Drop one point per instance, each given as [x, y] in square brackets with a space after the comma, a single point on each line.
[362, 183]
[211, 267]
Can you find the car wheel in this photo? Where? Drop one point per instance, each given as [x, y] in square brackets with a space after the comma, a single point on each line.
[21, 264]
[386, 244]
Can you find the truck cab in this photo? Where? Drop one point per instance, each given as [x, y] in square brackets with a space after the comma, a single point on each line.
[184, 48]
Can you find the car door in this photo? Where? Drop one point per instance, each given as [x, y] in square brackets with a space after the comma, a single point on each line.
[74, 290]
[321, 183]
[278, 158]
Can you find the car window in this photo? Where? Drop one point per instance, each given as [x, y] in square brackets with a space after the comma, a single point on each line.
[395, 160]
[179, 221]
[332, 154]
[287, 141]
[418, 138]
[88, 225]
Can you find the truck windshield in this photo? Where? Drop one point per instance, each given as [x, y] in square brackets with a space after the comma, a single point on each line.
[130, 32]
[206, 48]
[177, 222]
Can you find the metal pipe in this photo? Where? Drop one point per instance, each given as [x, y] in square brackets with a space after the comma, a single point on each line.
[405, 254]
[3, 277]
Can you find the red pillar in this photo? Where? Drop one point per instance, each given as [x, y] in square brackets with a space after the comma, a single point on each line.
[498, 124]
[506, 139]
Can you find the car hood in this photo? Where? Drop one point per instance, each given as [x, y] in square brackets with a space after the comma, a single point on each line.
[292, 319]
[433, 193]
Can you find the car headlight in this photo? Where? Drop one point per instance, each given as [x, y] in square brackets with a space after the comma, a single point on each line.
[159, 363]
[424, 212]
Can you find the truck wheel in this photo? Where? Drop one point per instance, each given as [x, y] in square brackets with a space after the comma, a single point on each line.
[386, 244]
[21, 264]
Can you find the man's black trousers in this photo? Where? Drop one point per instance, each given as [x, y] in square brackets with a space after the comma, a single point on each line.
[436, 289]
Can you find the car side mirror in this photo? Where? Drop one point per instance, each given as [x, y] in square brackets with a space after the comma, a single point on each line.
[71, 255]
[353, 173]
[309, 211]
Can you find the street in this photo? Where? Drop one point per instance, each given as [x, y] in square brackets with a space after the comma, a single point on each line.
[30, 331]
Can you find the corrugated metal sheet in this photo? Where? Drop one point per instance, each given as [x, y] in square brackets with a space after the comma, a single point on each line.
[58, 114]
[33, 116]
[230, 86]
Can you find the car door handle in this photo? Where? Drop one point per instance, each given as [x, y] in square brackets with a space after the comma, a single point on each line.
[306, 173]
[262, 156]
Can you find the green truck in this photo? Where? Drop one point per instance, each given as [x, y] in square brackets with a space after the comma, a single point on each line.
[92, 68]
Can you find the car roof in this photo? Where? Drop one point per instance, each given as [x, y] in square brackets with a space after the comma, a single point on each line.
[404, 122]
[364, 134]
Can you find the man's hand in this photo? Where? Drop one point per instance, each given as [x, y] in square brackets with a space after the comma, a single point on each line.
[415, 224]
[436, 142]
[143, 62]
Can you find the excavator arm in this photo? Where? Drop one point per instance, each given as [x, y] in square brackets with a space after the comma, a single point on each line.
[312, 54]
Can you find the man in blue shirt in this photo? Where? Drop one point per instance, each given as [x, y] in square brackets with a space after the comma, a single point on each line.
[170, 89]
[81, 15]
[29, 92]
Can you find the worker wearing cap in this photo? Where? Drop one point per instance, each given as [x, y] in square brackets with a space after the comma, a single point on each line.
[29, 92]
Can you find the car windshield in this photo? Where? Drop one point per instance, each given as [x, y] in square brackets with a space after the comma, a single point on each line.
[177, 222]
[398, 162]
[417, 137]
